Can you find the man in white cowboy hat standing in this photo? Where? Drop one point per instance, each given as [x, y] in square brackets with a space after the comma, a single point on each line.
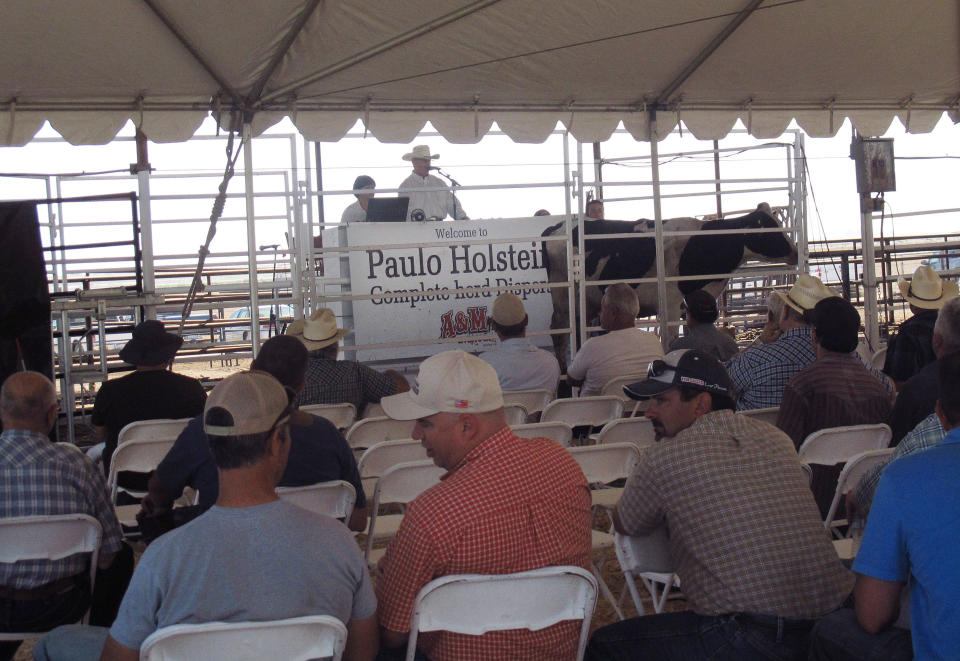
[912, 347]
[505, 505]
[152, 391]
[436, 204]
[332, 381]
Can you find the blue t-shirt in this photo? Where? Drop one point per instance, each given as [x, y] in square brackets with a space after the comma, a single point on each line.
[914, 530]
[318, 453]
[246, 564]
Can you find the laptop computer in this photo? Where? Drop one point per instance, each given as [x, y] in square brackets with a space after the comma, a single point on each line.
[387, 209]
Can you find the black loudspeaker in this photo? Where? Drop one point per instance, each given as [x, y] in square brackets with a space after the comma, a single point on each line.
[24, 297]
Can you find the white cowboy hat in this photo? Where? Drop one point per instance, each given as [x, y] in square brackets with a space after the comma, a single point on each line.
[926, 289]
[319, 331]
[806, 292]
[420, 151]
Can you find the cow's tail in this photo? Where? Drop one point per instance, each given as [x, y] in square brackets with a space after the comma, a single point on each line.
[550, 231]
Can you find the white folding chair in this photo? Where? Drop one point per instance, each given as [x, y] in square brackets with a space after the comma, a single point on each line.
[647, 557]
[368, 431]
[152, 430]
[533, 400]
[52, 537]
[837, 445]
[334, 499]
[560, 432]
[849, 478]
[398, 484]
[380, 456]
[638, 431]
[516, 414]
[341, 415]
[140, 455]
[766, 415]
[879, 358]
[473, 604]
[294, 639]
[594, 411]
[373, 410]
[602, 464]
[615, 386]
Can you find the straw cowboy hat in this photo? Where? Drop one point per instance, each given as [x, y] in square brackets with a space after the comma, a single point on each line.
[926, 289]
[806, 292]
[150, 345]
[420, 151]
[319, 331]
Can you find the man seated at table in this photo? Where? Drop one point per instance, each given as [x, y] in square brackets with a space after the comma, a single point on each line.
[318, 452]
[756, 566]
[912, 533]
[250, 558]
[505, 505]
[623, 351]
[519, 364]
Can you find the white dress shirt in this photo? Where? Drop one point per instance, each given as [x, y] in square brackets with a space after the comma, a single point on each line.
[354, 214]
[433, 203]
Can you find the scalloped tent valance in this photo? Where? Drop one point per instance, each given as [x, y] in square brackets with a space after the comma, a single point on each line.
[88, 68]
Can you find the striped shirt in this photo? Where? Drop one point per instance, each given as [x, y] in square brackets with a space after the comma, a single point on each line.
[39, 477]
[745, 534]
[509, 506]
[330, 381]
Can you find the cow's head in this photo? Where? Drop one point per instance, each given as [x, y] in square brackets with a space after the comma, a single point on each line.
[768, 245]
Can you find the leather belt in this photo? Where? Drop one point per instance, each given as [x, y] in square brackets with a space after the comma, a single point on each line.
[59, 586]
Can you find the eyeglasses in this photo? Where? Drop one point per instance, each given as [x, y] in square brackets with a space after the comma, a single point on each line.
[659, 368]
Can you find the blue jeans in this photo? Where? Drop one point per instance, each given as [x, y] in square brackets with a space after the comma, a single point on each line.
[687, 636]
[41, 614]
[73, 642]
[839, 637]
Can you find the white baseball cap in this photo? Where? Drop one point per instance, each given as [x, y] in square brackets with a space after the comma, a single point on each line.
[448, 382]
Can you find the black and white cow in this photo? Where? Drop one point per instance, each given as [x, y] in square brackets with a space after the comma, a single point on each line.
[704, 253]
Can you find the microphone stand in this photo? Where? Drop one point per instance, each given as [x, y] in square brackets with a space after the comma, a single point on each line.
[454, 185]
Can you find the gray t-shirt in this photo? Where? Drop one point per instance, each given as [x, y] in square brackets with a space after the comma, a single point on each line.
[267, 562]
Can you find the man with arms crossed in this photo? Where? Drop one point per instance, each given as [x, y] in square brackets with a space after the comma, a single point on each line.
[251, 557]
[506, 505]
[750, 549]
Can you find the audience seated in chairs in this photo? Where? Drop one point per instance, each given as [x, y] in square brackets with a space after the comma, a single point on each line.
[38, 477]
[699, 331]
[251, 557]
[318, 452]
[518, 363]
[623, 350]
[911, 533]
[332, 381]
[754, 562]
[504, 506]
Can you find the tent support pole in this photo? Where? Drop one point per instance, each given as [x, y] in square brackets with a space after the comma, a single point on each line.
[870, 327]
[664, 309]
[142, 168]
[251, 239]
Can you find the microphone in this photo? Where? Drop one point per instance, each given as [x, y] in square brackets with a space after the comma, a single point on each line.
[270, 247]
[434, 167]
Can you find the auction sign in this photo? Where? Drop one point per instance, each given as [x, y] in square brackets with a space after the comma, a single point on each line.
[406, 287]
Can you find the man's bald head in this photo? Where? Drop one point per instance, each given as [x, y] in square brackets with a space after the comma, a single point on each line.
[28, 400]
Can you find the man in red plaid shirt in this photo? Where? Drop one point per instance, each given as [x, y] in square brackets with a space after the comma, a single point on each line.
[505, 505]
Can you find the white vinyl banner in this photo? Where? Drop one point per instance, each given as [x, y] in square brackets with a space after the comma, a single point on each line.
[406, 284]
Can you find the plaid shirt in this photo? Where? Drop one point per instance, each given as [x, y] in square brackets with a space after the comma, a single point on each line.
[745, 534]
[38, 477]
[510, 506]
[332, 381]
[923, 437]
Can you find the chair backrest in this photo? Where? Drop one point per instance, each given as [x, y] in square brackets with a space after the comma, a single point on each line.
[367, 431]
[533, 400]
[879, 358]
[850, 476]
[516, 414]
[139, 455]
[373, 410]
[615, 386]
[50, 537]
[152, 430]
[606, 463]
[334, 498]
[381, 456]
[837, 445]
[767, 415]
[295, 639]
[400, 484]
[638, 431]
[595, 411]
[474, 604]
[560, 432]
[641, 554]
[341, 415]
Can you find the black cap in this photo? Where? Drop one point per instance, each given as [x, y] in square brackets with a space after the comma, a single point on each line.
[683, 367]
[701, 306]
[837, 324]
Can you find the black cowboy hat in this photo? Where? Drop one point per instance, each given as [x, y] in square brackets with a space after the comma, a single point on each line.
[150, 345]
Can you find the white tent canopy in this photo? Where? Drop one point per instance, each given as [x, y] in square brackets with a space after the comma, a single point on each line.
[462, 64]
